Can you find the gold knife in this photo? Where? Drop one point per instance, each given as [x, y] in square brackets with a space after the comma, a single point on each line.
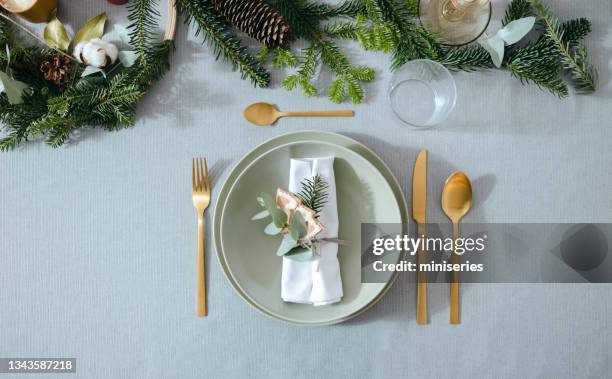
[419, 213]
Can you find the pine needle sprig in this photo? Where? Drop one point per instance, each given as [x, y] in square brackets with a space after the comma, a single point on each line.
[348, 8]
[537, 62]
[303, 16]
[308, 64]
[348, 82]
[215, 32]
[144, 73]
[314, 193]
[573, 55]
[517, 9]
[284, 58]
[575, 30]
[17, 118]
[467, 58]
[343, 30]
[143, 16]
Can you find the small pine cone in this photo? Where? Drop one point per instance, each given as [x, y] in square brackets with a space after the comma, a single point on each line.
[255, 18]
[55, 68]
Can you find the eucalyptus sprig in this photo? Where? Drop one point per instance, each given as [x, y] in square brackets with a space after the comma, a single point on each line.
[294, 244]
[298, 242]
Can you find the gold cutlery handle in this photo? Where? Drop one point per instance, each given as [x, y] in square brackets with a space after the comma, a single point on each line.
[422, 282]
[454, 289]
[344, 113]
[201, 280]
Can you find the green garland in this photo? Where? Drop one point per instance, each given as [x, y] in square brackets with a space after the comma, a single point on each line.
[392, 26]
[52, 112]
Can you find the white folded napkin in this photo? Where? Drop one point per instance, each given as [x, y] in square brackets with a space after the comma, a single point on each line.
[318, 281]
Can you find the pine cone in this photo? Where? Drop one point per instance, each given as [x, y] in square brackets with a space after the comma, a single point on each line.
[255, 18]
[55, 68]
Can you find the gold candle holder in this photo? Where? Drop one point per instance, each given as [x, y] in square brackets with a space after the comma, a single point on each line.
[30, 10]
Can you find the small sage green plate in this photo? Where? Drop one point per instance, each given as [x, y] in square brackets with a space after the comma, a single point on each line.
[366, 192]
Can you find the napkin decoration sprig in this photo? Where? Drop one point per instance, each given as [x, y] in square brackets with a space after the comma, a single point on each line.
[295, 218]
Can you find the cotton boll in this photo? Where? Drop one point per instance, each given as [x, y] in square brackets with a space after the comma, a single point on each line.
[96, 52]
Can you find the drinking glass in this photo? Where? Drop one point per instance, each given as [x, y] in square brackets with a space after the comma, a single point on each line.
[422, 93]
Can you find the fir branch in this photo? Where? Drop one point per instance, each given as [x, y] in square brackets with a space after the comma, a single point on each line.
[7, 32]
[215, 32]
[44, 124]
[413, 42]
[466, 58]
[517, 9]
[412, 7]
[59, 135]
[143, 16]
[343, 30]
[314, 193]
[348, 8]
[305, 16]
[416, 43]
[538, 62]
[17, 118]
[573, 55]
[284, 58]
[376, 32]
[575, 30]
[307, 69]
[262, 55]
[144, 73]
[338, 63]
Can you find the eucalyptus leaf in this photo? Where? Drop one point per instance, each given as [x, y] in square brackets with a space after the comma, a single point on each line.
[278, 217]
[260, 215]
[286, 245]
[298, 227]
[272, 229]
[93, 28]
[127, 58]
[300, 254]
[90, 70]
[13, 88]
[55, 34]
[267, 201]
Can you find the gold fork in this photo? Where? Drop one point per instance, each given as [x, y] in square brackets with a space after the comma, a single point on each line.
[201, 199]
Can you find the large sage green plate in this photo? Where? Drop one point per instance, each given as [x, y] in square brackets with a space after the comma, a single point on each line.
[367, 192]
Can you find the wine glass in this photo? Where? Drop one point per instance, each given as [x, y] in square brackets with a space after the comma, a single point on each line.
[455, 22]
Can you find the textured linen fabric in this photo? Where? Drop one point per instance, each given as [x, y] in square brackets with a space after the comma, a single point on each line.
[98, 239]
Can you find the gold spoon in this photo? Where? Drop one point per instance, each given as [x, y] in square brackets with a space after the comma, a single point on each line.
[456, 203]
[263, 114]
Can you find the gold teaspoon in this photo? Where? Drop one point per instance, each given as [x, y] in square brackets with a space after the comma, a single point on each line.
[264, 114]
[456, 203]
